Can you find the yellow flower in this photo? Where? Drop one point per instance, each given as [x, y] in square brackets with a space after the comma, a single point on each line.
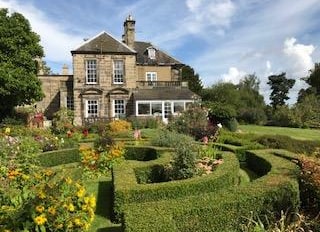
[86, 226]
[25, 177]
[41, 194]
[77, 222]
[40, 220]
[92, 201]
[52, 210]
[68, 180]
[7, 130]
[71, 207]
[81, 192]
[39, 208]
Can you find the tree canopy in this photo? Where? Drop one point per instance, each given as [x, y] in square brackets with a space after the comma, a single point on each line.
[244, 98]
[280, 87]
[19, 48]
[193, 79]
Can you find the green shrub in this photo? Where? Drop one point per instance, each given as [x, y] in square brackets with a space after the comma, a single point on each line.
[141, 153]
[127, 190]
[62, 121]
[194, 122]
[54, 158]
[166, 138]
[224, 210]
[145, 122]
[288, 143]
[184, 161]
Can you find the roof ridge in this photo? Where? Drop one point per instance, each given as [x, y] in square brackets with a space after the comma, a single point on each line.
[110, 35]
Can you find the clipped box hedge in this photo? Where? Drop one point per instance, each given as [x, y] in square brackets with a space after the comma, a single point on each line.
[127, 190]
[58, 157]
[141, 153]
[222, 211]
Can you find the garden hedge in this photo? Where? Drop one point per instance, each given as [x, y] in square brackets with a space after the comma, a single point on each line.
[58, 157]
[127, 190]
[141, 153]
[222, 211]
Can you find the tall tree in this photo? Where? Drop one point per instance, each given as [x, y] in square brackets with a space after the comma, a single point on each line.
[19, 48]
[193, 79]
[250, 81]
[314, 78]
[280, 87]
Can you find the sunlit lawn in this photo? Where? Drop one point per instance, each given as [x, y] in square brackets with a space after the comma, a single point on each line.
[297, 133]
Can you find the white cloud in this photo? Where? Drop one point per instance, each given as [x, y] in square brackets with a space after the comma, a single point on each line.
[299, 57]
[234, 75]
[57, 42]
[204, 13]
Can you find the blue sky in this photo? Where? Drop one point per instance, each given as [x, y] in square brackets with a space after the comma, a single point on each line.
[223, 40]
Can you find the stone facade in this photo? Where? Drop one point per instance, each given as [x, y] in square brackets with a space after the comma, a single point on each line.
[107, 74]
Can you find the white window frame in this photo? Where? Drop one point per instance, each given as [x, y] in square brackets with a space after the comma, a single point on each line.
[116, 103]
[89, 104]
[152, 53]
[91, 72]
[118, 72]
[151, 76]
[162, 102]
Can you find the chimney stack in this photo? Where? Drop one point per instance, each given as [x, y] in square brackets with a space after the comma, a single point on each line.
[65, 70]
[129, 31]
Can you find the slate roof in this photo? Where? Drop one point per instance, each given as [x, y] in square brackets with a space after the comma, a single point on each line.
[161, 57]
[103, 43]
[165, 94]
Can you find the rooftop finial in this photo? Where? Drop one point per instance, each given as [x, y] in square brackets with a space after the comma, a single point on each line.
[130, 18]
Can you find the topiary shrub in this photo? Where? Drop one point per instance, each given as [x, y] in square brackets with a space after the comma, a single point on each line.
[288, 143]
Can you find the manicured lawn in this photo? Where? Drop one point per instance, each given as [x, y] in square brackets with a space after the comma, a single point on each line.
[102, 189]
[297, 133]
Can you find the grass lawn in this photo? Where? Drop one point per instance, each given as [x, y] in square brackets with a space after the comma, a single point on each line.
[102, 189]
[296, 133]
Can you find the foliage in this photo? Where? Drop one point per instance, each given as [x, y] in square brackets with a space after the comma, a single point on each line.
[224, 114]
[128, 191]
[252, 116]
[194, 82]
[97, 162]
[166, 138]
[62, 156]
[145, 122]
[45, 202]
[194, 122]
[310, 183]
[141, 153]
[184, 161]
[313, 80]
[19, 47]
[276, 191]
[118, 126]
[242, 98]
[280, 87]
[281, 116]
[306, 112]
[287, 222]
[288, 143]
[62, 121]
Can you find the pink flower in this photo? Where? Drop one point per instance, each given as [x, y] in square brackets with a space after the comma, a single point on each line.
[205, 140]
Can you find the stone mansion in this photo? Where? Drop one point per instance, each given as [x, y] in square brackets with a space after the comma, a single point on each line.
[115, 79]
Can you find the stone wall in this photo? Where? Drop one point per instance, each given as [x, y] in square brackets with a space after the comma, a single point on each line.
[52, 86]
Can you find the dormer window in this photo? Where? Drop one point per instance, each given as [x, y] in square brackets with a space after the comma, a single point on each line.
[151, 53]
